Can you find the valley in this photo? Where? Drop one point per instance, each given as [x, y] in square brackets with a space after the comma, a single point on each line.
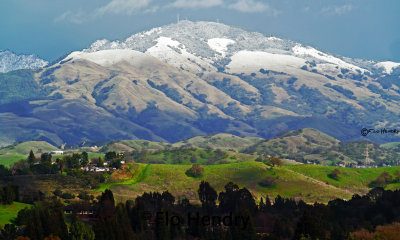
[308, 159]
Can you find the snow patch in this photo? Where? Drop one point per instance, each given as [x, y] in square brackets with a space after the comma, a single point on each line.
[309, 51]
[97, 45]
[274, 39]
[154, 30]
[10, 62]
[249, 61]
[220, 45]
[175, 54]
[387, 66]
[107, 58]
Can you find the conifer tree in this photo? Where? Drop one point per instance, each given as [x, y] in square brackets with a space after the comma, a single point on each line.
[84, 159]
[31, 158]
[79, 231]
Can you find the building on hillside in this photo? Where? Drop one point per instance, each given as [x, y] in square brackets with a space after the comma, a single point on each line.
[94, 168]
[57, 152]
[82, 210]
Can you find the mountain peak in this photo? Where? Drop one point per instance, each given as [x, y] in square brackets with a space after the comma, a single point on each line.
[10, 61]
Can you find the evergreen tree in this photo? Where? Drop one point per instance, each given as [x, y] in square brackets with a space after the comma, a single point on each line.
[8, 194]
[110, 156]
[207, 196]
[43, 219]
[242, 231]
[84, 159]
[79, 231]
[45, 158]
[106, 204]
[261, 205]
[9, 232]
[100, 162]
[124, 223]
[60, 164]
[31, 158]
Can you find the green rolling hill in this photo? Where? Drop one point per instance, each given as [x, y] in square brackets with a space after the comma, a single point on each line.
[307, 182]
[15, 152]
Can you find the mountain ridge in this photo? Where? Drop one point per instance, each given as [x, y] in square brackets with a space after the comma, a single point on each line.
[10, 61]
[198, 78]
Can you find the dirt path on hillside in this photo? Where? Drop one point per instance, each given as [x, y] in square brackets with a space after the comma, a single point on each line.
[321, 183]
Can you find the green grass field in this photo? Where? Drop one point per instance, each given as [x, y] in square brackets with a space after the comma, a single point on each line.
[308, 182]
[353, 179]
[9, 159]
[300, 181]
[92, 155]
[8, 212]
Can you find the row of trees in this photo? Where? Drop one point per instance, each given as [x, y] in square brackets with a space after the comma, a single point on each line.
[46, 165]
[160, 216]
[9, 194]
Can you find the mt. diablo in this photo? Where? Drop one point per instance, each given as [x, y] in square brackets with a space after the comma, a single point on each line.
[197, 78]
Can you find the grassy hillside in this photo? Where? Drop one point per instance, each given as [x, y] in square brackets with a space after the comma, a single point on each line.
[134, 145]
[223, 141]
[15, 152]
[219, 141]
[390, 145]
[190, 155]
[26, 147]
[308, 182]
[19, 85]
[8, 212]
[310, 145]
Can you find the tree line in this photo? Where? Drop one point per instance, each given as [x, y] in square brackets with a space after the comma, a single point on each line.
[237, 216]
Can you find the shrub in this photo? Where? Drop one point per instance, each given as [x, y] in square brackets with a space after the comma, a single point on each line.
[397, 175]
[268, 181]
[275, 161]
[57, 192]
[68, 196]
[195, 171]
[382, 180]
[85, 196]
[335, 174]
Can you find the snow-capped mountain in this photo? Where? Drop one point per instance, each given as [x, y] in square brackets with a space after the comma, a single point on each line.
[192, 78]
[10, 61]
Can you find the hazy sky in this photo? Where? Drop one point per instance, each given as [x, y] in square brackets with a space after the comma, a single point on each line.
[51, 28]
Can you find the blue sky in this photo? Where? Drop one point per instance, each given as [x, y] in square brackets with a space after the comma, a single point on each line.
[366, 29]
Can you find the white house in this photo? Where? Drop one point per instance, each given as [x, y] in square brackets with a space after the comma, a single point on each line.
[57, 152]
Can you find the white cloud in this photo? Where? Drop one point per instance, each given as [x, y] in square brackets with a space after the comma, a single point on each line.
[76, 17]
[338, 10]
[130, 7]
[123, 6]
[251, 6]
[196, 3]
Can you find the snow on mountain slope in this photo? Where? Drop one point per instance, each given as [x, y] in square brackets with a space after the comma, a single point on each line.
[250, 62]
[107, 58]
[220, 45]
[299, 50]
[175, 54]
[10, 62]
[195, 46]
[387, 66]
